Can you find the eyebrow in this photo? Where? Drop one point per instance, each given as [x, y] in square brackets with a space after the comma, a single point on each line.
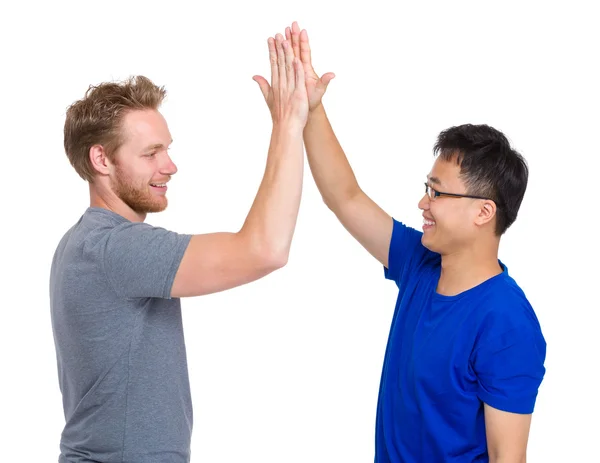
[155, 146]
[434, 180]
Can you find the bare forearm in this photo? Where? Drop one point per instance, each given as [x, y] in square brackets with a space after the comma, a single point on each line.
[328, 163]
[507, 460]
[506, 455]
[272, 219]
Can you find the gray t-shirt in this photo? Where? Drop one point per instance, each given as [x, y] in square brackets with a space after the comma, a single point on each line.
[119, 342]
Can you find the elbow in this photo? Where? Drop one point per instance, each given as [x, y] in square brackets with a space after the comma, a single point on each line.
[266, 255]
[276, 259]
[271, 257]
[336, 203]
[330, 203]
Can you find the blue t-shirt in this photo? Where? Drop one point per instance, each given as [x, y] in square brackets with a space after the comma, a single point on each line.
[447, 356]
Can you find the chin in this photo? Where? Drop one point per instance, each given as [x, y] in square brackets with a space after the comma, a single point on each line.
[156, 206]
[147, 205]
[424, 241]
[139, 199]
[428, 244]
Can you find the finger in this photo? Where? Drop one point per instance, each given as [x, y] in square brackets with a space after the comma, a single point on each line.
[295, 27]
[281, 61]
[273, 60]
[326, 78]
[305, 48]
[299, 69]
[288, 34]
[289, 64]
[296, 39]
[263, 84]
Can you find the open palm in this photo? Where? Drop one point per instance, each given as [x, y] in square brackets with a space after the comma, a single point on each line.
[315, 85]
[286, 97]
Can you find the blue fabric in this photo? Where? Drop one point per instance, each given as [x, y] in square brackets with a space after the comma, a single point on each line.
[447, 356]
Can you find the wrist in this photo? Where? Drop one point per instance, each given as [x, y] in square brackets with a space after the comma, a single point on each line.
[319, 109]
[316, 114]
[288, 126]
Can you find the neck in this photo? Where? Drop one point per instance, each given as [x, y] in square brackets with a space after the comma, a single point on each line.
[106, 199]
[468, 268]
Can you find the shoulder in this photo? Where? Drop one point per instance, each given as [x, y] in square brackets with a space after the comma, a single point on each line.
[506, 309]
[102, 227]
[96, 223]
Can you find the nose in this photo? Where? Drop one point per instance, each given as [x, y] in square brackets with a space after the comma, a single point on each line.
[168, 167]
[424, 203]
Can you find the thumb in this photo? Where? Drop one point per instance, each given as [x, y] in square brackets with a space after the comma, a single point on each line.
[263, 84]
[326, 78]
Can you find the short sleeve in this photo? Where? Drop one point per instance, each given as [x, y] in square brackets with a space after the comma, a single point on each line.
[141, 260]
[510, 369]
[406, 252]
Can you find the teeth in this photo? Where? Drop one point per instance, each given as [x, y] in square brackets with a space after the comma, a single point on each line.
[158, 184]
[428, 222]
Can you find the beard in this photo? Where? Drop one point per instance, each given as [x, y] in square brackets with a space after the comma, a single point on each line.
[138, 197]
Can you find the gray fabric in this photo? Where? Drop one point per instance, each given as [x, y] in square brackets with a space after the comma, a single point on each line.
[119, 342]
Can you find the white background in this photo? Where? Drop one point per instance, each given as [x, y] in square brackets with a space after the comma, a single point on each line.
[287, 369]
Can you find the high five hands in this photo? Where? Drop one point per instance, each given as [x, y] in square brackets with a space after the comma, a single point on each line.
[291, 63]
[315, 85]
[286, 97]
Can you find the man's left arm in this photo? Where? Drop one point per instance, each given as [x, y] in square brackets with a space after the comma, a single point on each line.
[509, 365]
[507, 434]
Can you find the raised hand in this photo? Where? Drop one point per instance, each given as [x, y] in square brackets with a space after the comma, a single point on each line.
[315, 85]
[286, 96]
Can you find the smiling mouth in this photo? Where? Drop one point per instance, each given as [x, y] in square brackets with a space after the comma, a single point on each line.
[159, 185]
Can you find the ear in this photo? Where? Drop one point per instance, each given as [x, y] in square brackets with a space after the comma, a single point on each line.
[99, 160]
[486, 214]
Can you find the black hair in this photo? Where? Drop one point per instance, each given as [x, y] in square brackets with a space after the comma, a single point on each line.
[489, 166]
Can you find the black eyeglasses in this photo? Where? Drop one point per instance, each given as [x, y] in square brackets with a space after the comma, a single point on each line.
[433, 193]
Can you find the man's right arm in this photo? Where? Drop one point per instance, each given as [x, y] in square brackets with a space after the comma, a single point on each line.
[358, 213]
[219, 261]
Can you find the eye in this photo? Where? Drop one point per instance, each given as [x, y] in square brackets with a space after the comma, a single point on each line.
[150, 155]
[432, 192]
